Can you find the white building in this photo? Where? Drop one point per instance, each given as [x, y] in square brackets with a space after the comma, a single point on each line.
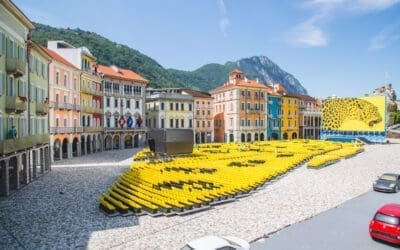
[124, 107]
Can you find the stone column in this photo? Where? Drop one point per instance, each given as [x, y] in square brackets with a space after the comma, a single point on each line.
[42, 160]
[35, 159]
[122, 141]
[78, 149]
[26, 168]
[60, 151]
[69, 150]
[47, 158]
[52, 153]
[6, 178]
[16, 169]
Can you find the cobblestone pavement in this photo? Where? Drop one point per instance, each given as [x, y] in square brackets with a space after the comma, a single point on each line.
[60, 209]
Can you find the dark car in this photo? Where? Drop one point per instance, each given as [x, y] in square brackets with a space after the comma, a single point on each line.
[386, 224]
[387, 183]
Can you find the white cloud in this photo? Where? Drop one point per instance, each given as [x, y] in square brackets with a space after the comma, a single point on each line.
[310, 33]
[224, 22]
[307, 34]
[386, 37]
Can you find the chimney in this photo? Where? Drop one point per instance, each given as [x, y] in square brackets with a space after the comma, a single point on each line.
[257, 80]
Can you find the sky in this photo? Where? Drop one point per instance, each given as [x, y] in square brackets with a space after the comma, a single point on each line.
[333, 47]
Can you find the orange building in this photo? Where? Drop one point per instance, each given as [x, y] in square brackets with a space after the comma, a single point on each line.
[240, 109]
[64, 100]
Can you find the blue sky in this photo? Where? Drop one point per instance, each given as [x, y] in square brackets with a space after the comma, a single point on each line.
[341, 47]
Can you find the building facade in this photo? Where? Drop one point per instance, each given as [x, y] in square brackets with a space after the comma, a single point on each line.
[64, 100]
[203, 110]
[290, 117]
[91, 94]
[310, 117]
[24, 140]
[124, 107]
[168, 108]
[240, 110]
[274, 116]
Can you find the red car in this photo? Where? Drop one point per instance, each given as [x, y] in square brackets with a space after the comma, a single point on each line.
[386, 224]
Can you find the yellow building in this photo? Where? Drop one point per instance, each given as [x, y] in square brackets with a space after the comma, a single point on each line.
[290, 117]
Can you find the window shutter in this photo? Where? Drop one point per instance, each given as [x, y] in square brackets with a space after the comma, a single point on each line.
[2, 82]
[2, 132]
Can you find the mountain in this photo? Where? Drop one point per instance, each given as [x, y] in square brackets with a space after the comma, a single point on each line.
[204, 78]
[211, 75]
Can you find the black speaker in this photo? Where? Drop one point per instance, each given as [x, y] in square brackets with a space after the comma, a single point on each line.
[152, 145]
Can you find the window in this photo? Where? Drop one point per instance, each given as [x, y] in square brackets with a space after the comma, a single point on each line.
[108, 102]
[65, 99]
[108, 123]
[137, 105]
[248, 123]
[171, 123]
[57, 77]
[116, 122]
[176, 106]
[128, 104]
[208, 124]
[171, 106]
[203, 112]
[65, 122]
[176, 123]
[65, 80]
[203, 124]
[242, 123]
[75, 81]
[10, 87]
[162, 123]
[58, 122]
[57, 98]
[83, 121]
[197, 124]
[242, 106]
[182, 123]
[190, 123]
[115, 103]
[162, 106]
[190, 107]
[182, 106]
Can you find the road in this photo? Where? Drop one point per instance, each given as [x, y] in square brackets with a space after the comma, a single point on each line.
[343, 227]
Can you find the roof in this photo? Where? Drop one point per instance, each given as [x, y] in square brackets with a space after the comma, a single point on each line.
[392, 209]
[10, 6]
[196, 93]
[40, 49]
[241, 83]
[58, 58]
[125, 74]
[304, 97]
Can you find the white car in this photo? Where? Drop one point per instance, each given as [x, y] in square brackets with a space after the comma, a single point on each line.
[215, 242]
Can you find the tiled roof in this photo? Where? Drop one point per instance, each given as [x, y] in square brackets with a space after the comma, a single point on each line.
[125, 74]
[196, 93]
[57, 57]
[305, 97]
[241, 83]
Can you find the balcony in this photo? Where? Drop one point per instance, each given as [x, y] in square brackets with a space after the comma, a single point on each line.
[106, 129]
[61, 130]
[88, 90]
[16, 67]
[98, 110]
[60, 105]
[270, 116]
[14, 145]
[275, 128]
[253, 111]
[42, 108]
[76, 107]
[15, 104]
[92, 129]
[78, 129]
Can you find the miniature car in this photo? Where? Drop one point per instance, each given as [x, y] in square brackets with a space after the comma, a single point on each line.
[386, 224]
[387, 183]
[216, 242]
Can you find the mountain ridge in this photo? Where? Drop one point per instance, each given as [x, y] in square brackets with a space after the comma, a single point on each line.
[205, 78]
